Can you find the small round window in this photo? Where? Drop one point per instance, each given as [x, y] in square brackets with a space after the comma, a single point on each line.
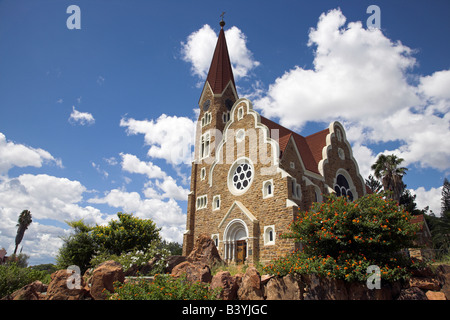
[240, 176]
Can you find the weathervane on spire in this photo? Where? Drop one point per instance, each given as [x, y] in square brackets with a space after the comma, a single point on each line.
[222, 23]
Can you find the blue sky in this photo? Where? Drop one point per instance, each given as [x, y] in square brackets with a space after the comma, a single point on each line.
[87, 116]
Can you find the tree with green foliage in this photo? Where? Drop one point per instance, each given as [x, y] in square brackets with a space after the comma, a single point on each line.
[118, 237]
[174, 248]
[373, 184]
[78, 248]
[445, 200]
[341, 239]
[24, 222]
[440, 226]
[126, 234]
[408, 201]
[387, 169]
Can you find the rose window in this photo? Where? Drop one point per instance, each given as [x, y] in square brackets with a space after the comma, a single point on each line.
[242, 176]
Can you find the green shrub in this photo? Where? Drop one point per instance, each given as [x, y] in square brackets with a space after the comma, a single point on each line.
[77, 248]
[13, 277]
[126, 234]
[164, 287]
[342, 238]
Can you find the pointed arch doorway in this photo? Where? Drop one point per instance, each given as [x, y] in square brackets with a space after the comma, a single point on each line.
[236, 242]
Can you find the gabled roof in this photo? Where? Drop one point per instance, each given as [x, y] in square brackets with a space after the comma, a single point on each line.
[220, 72]
[310, 147]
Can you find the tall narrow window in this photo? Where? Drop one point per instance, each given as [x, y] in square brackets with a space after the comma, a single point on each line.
[267, 188]
[204, 152]
[240, 113]
[269, 235]
[202, 202]
[216, 202]
[203, 173]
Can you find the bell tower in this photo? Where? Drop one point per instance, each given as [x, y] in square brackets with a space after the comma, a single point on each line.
[219, 92]
[216, 100]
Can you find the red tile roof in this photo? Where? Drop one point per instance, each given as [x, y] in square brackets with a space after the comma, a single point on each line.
[310, 147]
[220, 71]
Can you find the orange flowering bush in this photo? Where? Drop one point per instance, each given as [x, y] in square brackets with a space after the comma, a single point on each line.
[341, 239]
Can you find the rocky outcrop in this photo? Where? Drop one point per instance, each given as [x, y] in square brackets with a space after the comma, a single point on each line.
[228, 284]
[251, 288]
[67, 285]
[173, 261]
[412, 293]
[284, 288]
[33, 291]
[103, 278]
[193, 271]
[204, 252]
[443, 274]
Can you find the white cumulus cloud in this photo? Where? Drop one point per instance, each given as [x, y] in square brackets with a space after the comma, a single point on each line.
[19, 155]
[82, 118]
[431, 198]
[166, 214]
[363, 79]
[170, 137]
[50, 199]
[199, 48]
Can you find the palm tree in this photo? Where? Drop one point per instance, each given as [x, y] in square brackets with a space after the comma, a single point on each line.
[24, 222]
[387, 169]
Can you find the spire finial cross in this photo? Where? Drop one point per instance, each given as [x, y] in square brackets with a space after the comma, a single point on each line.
[222, 23]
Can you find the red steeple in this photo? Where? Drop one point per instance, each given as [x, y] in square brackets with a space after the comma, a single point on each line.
[220, 71]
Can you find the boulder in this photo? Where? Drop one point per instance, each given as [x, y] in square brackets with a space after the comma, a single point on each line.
[318, 288]
[251, 288]
[32, 291]
[424, 283]
[193, 271]
[284, 288]
[443, 274]
[433, 295]
[66, 285]
[265, 278]
[360, 291]
[422, 272]
[204, 251]
[227, 283]
[172, 261]
[103, 277]
[412, 293]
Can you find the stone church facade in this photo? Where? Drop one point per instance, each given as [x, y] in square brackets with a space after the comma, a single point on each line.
[251, 175]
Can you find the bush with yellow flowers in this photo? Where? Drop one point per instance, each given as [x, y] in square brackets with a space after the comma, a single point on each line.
[340, 239]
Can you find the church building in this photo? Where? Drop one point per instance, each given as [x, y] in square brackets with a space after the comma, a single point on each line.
[250, 175]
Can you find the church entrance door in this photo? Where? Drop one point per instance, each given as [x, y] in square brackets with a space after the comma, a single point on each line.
[241, 251]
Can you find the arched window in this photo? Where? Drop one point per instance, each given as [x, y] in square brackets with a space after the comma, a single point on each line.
[269, 235]
[267, 188]
[216, 203]
[342, 187]
[215, 238]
